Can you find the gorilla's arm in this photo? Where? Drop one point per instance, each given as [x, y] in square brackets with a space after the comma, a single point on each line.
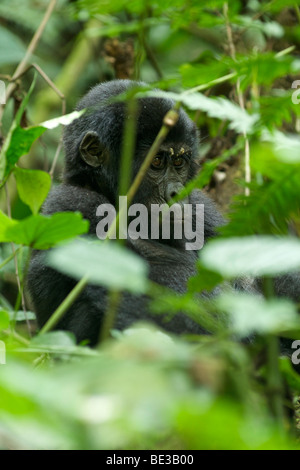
[48, 287]
[68, 198]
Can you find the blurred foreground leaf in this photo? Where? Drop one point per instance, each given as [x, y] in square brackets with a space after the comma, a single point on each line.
[104, 263]
[253, 314]
[253, 256]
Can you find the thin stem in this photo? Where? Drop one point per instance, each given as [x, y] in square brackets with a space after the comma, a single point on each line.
[59, 147]
[30, 50]
[20, 287]
[297, 10]
[7, 260]
[114, 298]
[18, 337]
[229, 31]
[203, 177]
[63, 107]
[128, 146]
[285, 51]
[21, 290]
[274, 380]
[47, 80]
[240, 99]
[274, 383]
[169, 121]
[64, 306]
[152, 59]
[210, 84]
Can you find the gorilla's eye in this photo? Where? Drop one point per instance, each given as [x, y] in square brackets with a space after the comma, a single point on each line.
[158, 162]
[178, 162]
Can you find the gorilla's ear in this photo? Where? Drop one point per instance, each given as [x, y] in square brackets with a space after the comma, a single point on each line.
[92, 151]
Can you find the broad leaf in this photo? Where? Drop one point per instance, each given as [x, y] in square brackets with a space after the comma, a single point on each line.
[33, 187]
[253, 314]
[64, 120]
[105, 263]
[42, 232]
[4, 319]
[253, 256]
[239, 119]
[20, 144]
[5, 223]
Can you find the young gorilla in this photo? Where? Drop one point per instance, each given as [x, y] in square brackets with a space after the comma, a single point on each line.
[93, 145]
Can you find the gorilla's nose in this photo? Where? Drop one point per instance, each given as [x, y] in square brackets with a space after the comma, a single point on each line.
[172, 190]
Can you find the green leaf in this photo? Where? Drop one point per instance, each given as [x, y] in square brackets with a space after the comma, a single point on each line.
[24, 104]
[253, 256]
[4, 319]
[5, 223]
[273, 200]
[285, 147]
[20, 144]
[207, 70]
[204, 280]
[167, 303]
[42, 232]
[239, 119]
[20, 315]
[276, 109]
[203, 427]
[33, 187]
[261, 68]
[63, 339]
[17, 144]
[59, 343]
[20, 140]
[64, 120]
[14, 146]
[270, 28]
[253, 314]
[277, 5]
[105, 263]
